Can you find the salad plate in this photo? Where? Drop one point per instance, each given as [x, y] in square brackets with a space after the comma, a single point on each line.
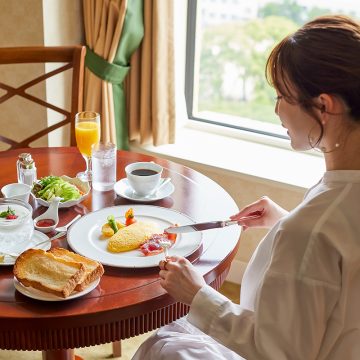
[42, 295]
[53, 188]
[85, 237]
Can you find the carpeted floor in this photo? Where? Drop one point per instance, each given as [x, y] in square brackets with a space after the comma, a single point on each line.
[102, 352]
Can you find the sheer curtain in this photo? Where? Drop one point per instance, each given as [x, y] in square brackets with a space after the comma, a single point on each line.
[149, 87]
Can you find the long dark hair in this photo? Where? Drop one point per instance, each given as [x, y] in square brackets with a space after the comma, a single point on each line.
[323, 56]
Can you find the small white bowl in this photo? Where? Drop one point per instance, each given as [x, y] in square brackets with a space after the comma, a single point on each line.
[22, 209]
[45, 229]
[17, 232]
[51, 214]
[17, 191]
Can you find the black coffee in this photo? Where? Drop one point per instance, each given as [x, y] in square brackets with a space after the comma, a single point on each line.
[144, 172]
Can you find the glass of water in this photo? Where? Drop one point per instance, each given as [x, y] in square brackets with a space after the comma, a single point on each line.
[103, 166]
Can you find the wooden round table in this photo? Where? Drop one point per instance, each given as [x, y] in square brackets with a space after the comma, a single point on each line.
[127, 302]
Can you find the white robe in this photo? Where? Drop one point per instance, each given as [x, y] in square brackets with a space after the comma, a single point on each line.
[300, 293]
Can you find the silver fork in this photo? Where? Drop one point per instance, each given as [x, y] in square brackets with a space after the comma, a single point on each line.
[165, 244]
[15, 255]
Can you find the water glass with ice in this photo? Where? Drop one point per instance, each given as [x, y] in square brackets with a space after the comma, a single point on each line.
[103, 166]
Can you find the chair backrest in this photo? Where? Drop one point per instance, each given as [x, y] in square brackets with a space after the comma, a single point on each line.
[73, 57]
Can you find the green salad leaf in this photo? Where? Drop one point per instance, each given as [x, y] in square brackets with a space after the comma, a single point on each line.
[8, 212]
[49, 187]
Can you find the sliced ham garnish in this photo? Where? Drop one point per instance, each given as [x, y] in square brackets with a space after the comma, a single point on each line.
[152, 246]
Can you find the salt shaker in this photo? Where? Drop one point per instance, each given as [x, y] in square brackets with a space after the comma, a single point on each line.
[26, 169]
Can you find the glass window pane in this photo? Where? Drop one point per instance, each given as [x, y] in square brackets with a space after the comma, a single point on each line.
[233, 41]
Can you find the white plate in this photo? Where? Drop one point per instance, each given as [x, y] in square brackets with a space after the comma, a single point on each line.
[123, 189]
[82, 185]
[36, 238]
[42, 295]
[85, 236]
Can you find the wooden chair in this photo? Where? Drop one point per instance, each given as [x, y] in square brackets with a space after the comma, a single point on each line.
[73, 57]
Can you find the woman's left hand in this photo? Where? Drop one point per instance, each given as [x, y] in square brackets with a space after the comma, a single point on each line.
[180, 279]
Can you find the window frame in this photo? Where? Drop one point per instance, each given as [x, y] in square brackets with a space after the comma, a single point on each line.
[191, 67]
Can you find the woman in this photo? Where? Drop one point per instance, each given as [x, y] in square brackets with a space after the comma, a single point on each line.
[301, 290]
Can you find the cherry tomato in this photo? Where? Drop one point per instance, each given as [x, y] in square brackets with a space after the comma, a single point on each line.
[129, 221]
[171, 237]
[129, 217]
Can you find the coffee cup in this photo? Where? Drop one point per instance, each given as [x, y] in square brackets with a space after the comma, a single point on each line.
[143, 177]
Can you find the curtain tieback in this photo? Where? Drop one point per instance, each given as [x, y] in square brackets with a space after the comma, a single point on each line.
[110, 72]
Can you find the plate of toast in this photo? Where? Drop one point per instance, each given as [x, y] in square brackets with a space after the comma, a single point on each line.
[55, 275]
[85, 236]
[45, 296]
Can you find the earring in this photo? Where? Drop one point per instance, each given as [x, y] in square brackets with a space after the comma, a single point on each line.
[322, 110]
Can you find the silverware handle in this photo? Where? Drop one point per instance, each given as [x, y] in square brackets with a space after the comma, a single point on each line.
[78, 216]
[57, 236]
[230, 222]
[234, 222]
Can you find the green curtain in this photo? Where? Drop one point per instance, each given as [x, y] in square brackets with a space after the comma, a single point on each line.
[131, 36]
[115, 73]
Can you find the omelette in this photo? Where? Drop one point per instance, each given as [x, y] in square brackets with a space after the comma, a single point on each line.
[131, 237]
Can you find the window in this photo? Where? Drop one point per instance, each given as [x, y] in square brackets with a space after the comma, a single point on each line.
[228, 42]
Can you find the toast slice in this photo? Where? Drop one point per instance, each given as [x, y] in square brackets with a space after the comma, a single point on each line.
[131, 237]
[93, 269]
[46, 272]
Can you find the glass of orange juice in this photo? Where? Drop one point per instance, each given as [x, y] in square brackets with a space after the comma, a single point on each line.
[87, 133]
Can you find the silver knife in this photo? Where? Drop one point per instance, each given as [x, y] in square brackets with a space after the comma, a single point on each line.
[199, 226]
[210, 225]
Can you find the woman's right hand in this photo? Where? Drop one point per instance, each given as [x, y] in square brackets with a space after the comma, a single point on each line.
[264, 213]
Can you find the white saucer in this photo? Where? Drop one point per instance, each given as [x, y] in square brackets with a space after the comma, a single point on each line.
[36, 238]
[123, 189]
[42, 295]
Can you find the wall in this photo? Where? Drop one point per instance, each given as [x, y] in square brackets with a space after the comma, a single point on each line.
[63, 25]
[30, 23]
[17, 28]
